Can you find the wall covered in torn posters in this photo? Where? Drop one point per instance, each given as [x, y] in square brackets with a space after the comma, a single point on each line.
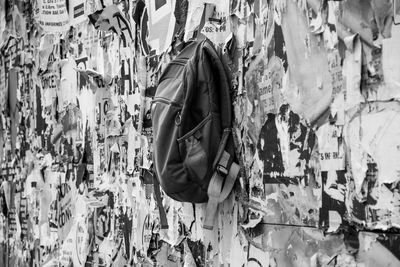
[316, 88]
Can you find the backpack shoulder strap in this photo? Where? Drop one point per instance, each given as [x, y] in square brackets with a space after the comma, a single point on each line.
[208, 49]
[225, 170]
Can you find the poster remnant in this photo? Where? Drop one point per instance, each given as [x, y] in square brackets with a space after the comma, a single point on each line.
[53, 15]
[315, 90]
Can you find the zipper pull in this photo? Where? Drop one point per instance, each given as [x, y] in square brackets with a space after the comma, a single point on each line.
[178, 119]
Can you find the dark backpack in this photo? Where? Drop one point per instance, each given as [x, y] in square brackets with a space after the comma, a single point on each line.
[192, 120]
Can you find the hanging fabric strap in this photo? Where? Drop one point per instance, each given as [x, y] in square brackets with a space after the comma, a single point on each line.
[220, 186]
[157, 193]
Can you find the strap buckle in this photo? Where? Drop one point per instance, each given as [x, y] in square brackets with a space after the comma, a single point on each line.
[222, 170]
[222, 166]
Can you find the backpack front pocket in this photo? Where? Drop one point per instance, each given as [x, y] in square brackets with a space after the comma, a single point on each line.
[193, 150]
[196, 162]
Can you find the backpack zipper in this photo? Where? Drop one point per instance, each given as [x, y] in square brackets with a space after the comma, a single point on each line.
[166, 101]
[180, 61]
[195, 129]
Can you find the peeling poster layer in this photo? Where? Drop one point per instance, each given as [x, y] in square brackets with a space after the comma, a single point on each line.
[315, 87]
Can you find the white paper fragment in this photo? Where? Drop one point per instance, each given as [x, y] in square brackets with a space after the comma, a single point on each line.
[68, 83]
[391, 66]
[290, 157]
[352, 71]
[335, 220]
[77, 11]
[330, 150]
[2, 19]
[195, 12]
[161, 24]
[255, 217]
[386, 207]
[309, 90]
[373, 253]
[377, 135]
[87, 106]
[256, 256]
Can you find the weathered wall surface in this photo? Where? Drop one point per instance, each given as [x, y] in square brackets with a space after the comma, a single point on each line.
[316, 87]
